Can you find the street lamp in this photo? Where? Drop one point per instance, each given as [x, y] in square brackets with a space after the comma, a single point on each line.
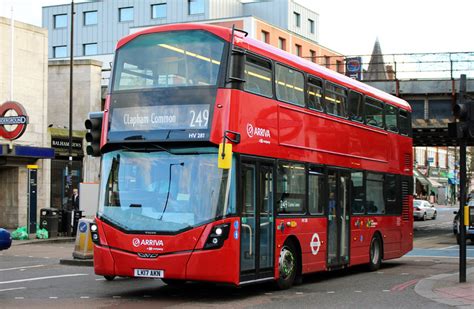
[71, 66]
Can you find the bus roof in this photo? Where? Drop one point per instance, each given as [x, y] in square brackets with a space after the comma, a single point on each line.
[277, 54]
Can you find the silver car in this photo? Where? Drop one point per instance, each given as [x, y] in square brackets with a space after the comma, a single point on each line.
[423, 210]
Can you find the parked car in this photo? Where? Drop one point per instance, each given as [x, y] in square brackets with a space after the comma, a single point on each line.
[423, 210]
[5, 239]
[469, 229]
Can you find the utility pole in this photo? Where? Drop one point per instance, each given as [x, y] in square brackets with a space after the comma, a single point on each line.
[71, 65]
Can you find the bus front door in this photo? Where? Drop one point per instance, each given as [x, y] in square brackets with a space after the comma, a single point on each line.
[256, 236]
[338, 218]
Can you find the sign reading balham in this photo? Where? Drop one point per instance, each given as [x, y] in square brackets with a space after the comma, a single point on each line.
[163, 117]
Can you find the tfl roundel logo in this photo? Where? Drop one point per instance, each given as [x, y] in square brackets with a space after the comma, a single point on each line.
[13, 120]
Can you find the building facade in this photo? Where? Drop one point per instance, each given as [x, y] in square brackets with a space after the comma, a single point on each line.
[25, 54]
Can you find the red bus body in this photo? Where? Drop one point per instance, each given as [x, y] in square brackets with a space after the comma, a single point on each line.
[272, 130]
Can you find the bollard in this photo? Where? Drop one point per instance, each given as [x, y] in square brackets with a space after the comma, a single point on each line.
[84, 248]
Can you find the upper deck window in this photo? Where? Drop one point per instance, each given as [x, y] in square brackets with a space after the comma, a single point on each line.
[374, 112]
[315, 94]
[391, 118]
[289, 85]
[336, 98]
[258, 76]
[405, 125]
[356, 107]
[169, 59]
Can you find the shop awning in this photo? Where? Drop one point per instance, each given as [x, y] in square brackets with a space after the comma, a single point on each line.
[434, 183]
[421, 178]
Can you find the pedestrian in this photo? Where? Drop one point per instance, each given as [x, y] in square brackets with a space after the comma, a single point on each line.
[75, 199]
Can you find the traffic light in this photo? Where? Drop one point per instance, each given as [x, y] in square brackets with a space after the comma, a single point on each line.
[463, 111]
[94, 128]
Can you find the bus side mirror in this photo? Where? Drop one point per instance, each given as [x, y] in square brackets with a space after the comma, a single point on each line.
[237, 68]
[224, 160]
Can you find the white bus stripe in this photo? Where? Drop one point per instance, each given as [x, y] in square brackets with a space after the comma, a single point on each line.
[42, 278]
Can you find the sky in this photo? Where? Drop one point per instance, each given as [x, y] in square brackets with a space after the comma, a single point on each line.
[351, 27]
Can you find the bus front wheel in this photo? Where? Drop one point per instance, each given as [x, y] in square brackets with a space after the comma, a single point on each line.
[109, 278]
[375, 253]
[287, 266]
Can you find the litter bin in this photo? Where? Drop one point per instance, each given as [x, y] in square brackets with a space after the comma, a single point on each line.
[77, 215]
[49, 220]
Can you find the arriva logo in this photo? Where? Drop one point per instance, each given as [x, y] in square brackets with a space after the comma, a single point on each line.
[147, 242]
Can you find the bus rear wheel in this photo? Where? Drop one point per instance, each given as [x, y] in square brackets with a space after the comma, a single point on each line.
[375, 253]
[287, 266]
[109, 278]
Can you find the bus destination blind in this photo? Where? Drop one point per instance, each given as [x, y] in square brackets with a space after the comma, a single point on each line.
[162, 117]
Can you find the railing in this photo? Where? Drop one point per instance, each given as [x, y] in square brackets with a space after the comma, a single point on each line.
[408, 66]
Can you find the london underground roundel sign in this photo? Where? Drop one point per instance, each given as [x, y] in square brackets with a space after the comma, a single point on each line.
[13, 120]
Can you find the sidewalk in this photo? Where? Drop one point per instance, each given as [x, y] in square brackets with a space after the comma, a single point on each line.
[446, 289]
[43, 241]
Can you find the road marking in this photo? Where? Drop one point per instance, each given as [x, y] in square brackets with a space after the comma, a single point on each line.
[357, 291]
[24, 267]
[53, 297]
[12, 289]
[299, 293]
[19, 297]
[385, 291]
[403, 286]
[42, 278]
[100, 279]
[331, 292]
[84, 297]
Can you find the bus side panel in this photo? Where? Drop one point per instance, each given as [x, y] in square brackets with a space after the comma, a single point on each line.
[360, 241]
[217, 265]
[311, 235]
[103, 261]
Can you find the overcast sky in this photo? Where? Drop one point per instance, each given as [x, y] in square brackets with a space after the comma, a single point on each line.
[351, 27]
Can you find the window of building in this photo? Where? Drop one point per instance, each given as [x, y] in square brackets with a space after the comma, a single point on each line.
[358, 193]
[126, 14]
[258, 76]
[374, 112]
[158, 10]
[298, 50]
[289, 85]
[339, 67]
[89, 49]
[291, 188]
[311, 25]
[90, 18]
[312, 53]
[315, 93]
[265, 36]
[60, 51]
[195, 7]
[356, 107]
[335, 98]
[391, 122]
[316, 191]
[60, 21]
[282, 43]
[297, 19]
[375, 202]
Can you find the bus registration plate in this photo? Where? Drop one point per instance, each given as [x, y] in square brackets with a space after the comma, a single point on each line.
[149, 273]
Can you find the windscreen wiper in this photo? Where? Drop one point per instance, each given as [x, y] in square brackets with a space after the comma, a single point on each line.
[169, 187]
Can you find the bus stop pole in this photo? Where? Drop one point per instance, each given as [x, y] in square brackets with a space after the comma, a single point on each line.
[462, 202]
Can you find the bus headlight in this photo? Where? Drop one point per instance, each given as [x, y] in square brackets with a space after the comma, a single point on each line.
[217, 236]
[94, 233]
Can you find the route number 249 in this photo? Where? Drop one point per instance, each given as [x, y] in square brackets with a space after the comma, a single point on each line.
[199, 119]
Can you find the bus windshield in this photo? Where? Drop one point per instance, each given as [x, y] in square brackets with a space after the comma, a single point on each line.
[168, 59]
[163, 192]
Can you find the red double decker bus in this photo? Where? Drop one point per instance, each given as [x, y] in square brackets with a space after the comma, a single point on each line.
[313, 172]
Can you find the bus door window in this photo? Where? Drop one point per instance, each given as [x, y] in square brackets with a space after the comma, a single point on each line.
[315, 94]
[258, 76]
[266, 216]
[336, 100]
[315, 191]
[358, 193]
[332, 217]
[247, 252]
[374, 112]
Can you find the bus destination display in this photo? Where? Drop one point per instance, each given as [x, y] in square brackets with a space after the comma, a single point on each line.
[162, 117]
